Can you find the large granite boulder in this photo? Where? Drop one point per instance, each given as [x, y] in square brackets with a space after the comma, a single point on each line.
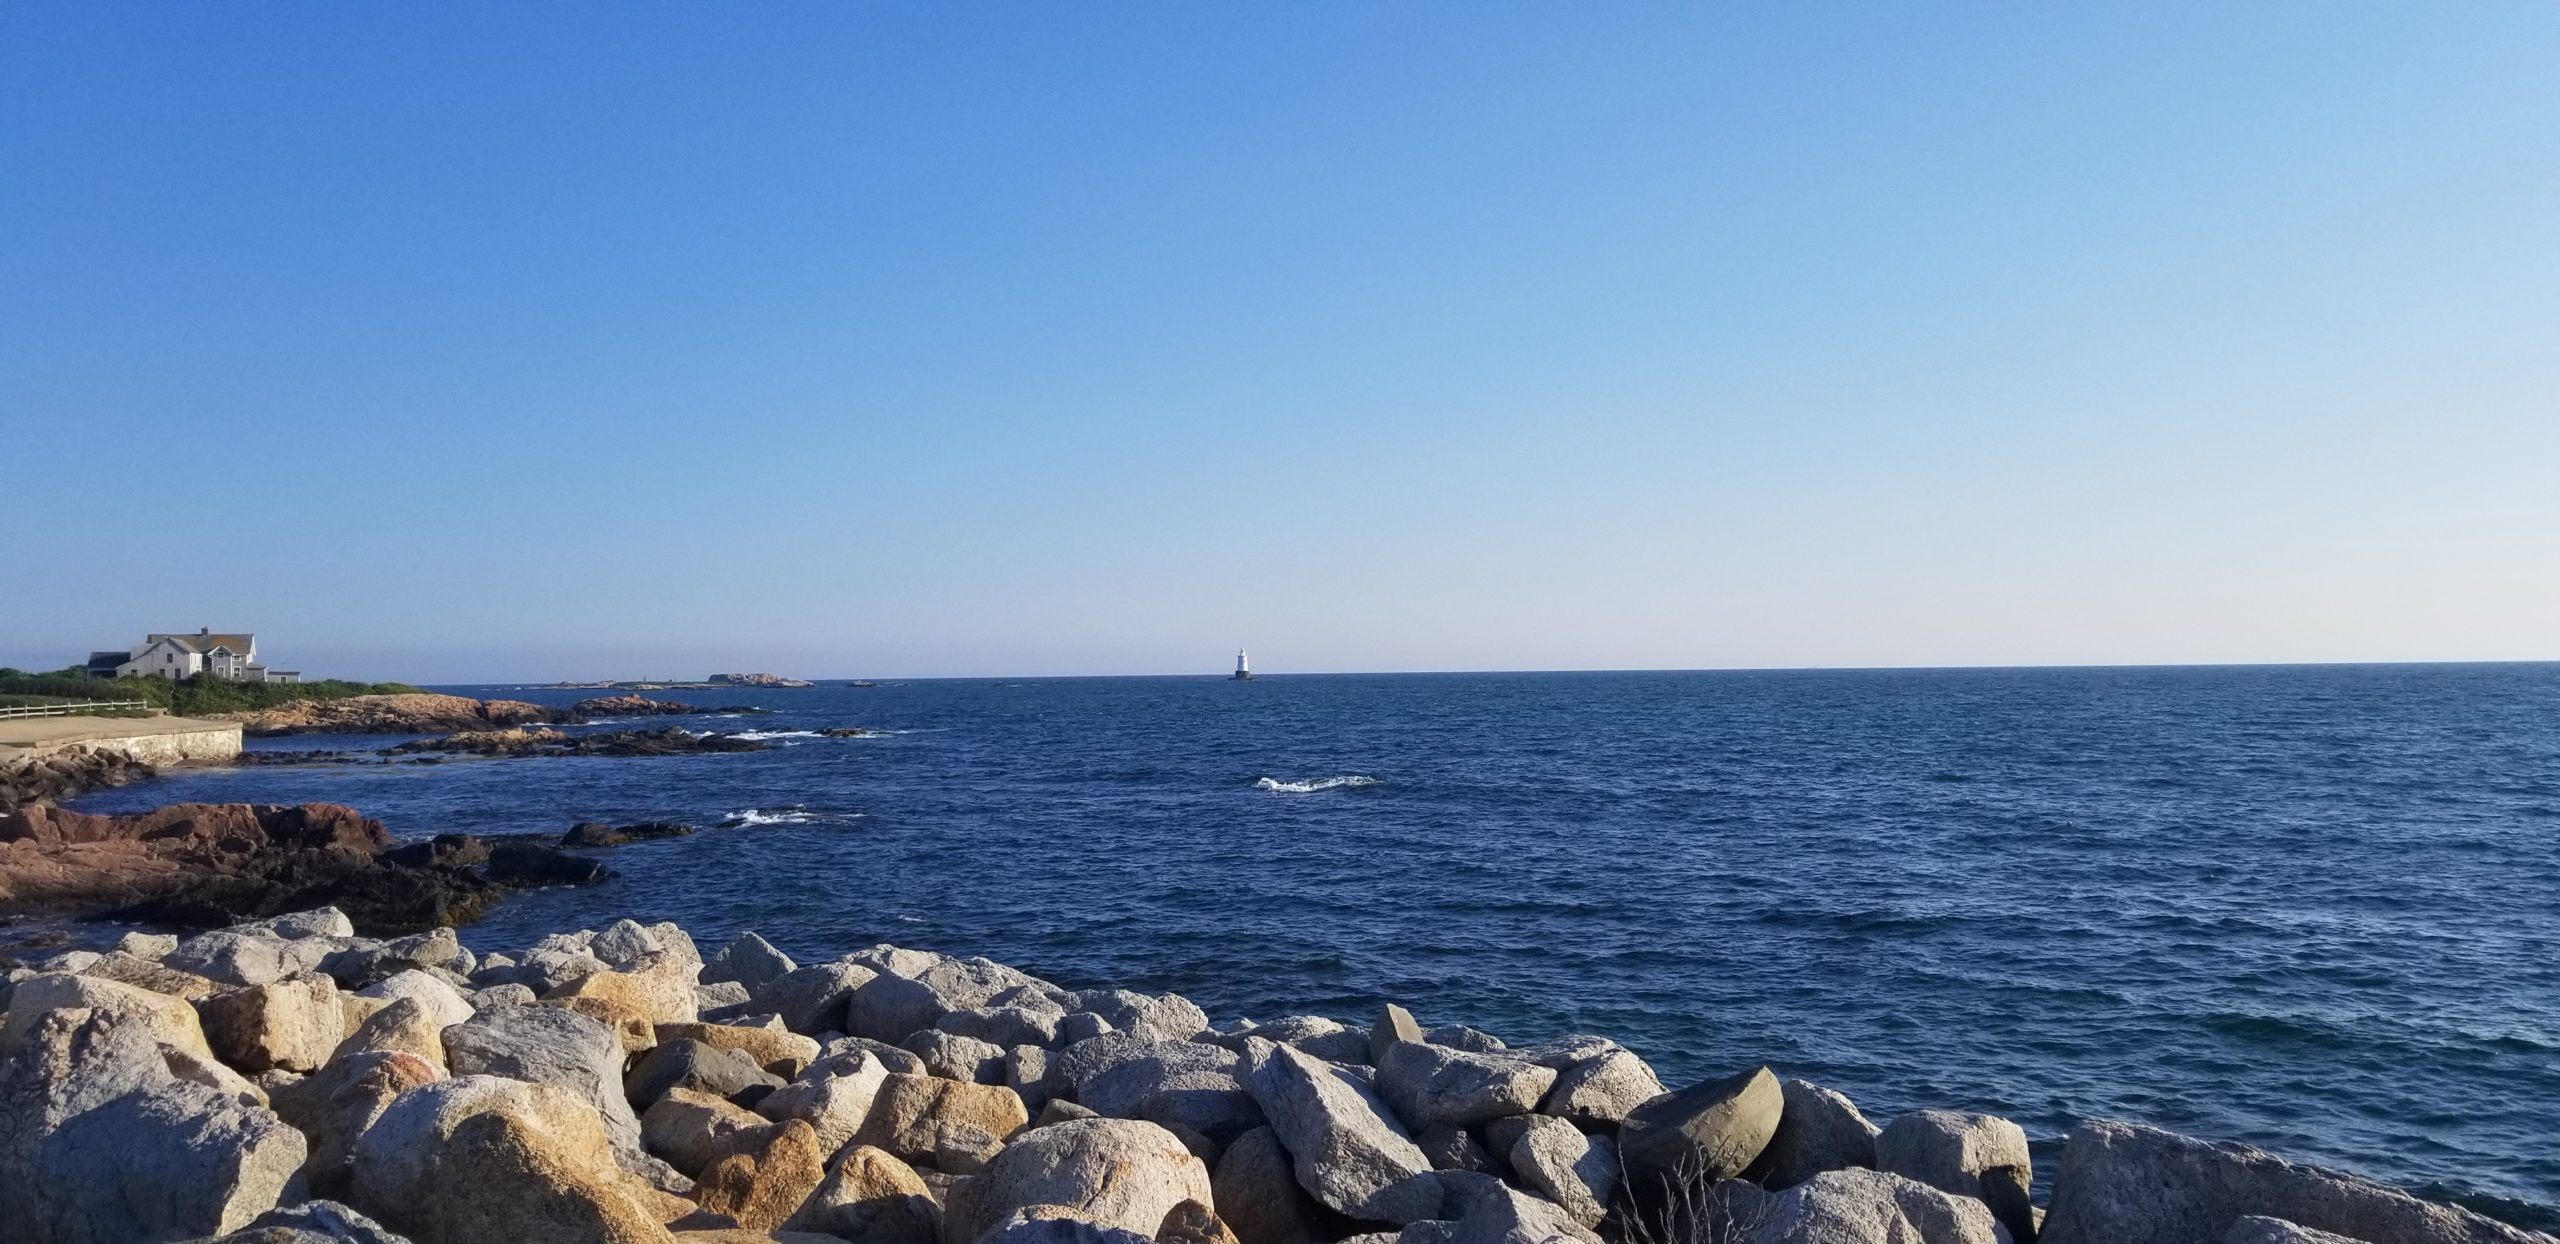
[1430, 1084]
[1258, 1194]
[1699, 1135]
[2122, 1183]
[1598, 1081]
[100, 1142]
[479, 1158]
[1117, 1173]
[445, 1004]
[1480, 1209]
[749, 960]
[691, 1064]
[811, 1000]
[334, 1105]
[2253, 1229]
[890, 1008]
[764, 1176]
[1818, 1130]
[1033, 1022]
[954, 1125]
[169, 1020]
[871, 1196]
[1971, 1155]
[547, 1045]
[1348, 1148]
[293, 1023]
[834, 1097]
[1558, 1161]
[404, 1027]
[1394, 1024]
[776, 1049]
[955, 1057]
[1865, 1207]
[689, 1129]
[1153, 1017]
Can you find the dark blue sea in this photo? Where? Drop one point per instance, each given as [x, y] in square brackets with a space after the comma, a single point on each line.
[2316, 909]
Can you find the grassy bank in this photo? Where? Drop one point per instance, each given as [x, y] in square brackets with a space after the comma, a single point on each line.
[186, 698]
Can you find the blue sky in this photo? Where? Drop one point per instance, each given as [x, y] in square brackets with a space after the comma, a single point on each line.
[456, 342]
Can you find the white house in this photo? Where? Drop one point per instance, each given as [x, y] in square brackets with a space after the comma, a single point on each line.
[232, 658]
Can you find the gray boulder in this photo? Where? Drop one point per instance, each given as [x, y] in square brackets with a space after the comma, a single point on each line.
[1165, 1017]
[1121, 1070]
[1480, 1209]
[549, 1045]
[1348, 1149]
[1394, 1024]
[170, 1160]
[1700, 1135]
[1461, 1037]
[1059, 1224]
[238, 957]
[312, 1222]
[1980, 1156]
[955, 1057]
[1453, 1148]
[1258, 1194]
[686, 1063]
[1117, 1173]
[2253, 1229]
[890, 1008]
[1865, 1207]
[1598, 1081]
[1430, 1084]
[2121, 1183]
[1020, 1024]
[1818, 1130]
[747, 960]
[1573, 1170]
[811, 1000]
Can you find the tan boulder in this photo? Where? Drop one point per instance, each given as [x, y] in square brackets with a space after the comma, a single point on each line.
[1194, 1223]
[955, 1125]
[354, 1009]
[151, 974]
[336, 1104]
[657, 989]
[293, 1024]
[689, 1128]
[169, 1020]
[479, 1158]
[873, 1197]
[402, 1027]
[760, 1185]
[779, 1050]
[1120, 1173]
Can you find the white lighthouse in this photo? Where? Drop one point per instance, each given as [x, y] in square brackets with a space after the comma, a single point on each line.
[1244, 671]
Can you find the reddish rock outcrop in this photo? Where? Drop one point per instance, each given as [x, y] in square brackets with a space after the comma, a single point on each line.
[414, 713]
[209, 864]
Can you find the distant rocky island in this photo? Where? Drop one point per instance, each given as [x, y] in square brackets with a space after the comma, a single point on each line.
[672, 684]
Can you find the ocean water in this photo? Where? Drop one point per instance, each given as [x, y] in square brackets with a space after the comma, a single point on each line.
[2316, 909]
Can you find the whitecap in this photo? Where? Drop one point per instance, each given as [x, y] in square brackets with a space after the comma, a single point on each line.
[1312, 785]
[794, 815]
[762, 735]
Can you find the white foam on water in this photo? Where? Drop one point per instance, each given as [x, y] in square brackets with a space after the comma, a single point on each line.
[762, 735]
[768, 816]
[1312, 785]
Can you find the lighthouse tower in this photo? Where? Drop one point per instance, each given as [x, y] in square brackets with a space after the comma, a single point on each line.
[1243, 671]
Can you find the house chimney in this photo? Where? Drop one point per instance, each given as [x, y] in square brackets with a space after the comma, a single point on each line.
[204, 630]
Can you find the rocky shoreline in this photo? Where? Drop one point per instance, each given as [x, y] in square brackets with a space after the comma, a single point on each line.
[292, 1080]
[434, 713]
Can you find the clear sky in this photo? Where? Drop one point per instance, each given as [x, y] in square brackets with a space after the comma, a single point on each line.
[454, 342]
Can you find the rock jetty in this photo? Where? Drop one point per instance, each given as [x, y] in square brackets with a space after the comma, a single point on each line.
[290, 1080]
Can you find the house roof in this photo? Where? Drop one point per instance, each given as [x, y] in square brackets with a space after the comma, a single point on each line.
[202, 642]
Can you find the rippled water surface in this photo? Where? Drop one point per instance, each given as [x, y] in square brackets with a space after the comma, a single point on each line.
[2312, 908]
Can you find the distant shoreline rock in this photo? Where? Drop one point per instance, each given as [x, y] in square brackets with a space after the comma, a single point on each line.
[759, 680]
[428, 712]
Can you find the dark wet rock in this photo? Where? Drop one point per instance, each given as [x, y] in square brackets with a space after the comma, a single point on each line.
[59, 775]
[593, 834]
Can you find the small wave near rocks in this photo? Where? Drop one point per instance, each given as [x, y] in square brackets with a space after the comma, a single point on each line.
[1312, 785]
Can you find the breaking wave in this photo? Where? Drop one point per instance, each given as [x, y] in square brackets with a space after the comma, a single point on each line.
[762, 735]
[1312, 785]
[792, 815]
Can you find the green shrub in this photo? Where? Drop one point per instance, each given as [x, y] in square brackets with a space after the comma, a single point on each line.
[200, 694]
